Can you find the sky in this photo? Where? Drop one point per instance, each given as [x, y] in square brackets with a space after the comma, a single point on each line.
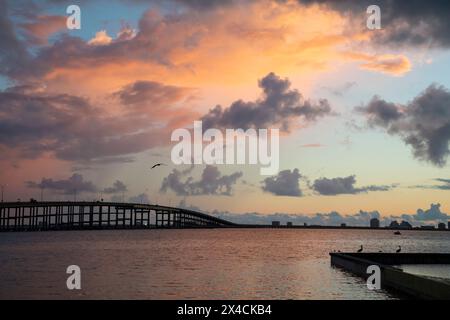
[363, 114]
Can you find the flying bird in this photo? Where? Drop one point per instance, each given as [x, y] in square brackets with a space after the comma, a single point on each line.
[157, 165]
[360, 249]
[399, 249]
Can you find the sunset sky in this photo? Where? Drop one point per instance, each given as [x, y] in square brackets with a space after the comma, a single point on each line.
[93, 109]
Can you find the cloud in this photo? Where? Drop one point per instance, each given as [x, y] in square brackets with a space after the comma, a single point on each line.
[432, 214]
[141, 198]
[75, 183]
[405, 23]
[445, 185]
[312, 145]
[333, 218]
[101, 38]
[278, 106]
[346, 185]
[13, 53]
[423, 123]
[286, 183]
[396, 65]
[210, 183]
[117, 187]
[195, 45]
[340, 90]
[70, 127]
[198, 43]
[41, 27]
[151, 93]
[198, 4]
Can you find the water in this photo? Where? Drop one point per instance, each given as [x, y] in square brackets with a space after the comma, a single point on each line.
[196, 264]
[429, 270]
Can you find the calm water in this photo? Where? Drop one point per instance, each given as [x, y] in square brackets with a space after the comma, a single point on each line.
[430, 270]
[196, 264]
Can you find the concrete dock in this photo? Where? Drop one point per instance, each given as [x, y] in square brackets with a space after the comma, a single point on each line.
[394, 278]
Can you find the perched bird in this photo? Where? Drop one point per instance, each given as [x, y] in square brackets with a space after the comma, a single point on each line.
[360, 249]
[157, 165]
[399, 249]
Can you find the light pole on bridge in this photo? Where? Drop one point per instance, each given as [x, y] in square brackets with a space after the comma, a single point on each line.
[3, 186]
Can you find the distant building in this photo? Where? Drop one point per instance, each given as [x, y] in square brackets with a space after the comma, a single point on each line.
[374, 223]
[343, 225]
[448, 226]
[275, 223]
[289, 224]
[427, 227]
[405, 225]
[394, 225]
[305, 224]
[441, 226]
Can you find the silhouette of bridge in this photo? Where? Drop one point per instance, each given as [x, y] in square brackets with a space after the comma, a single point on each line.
[37, 216]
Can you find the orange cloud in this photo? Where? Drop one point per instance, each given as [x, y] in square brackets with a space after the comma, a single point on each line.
[312, 145]
[42, 27]
[101, 38]
[395, 65]
[234, 45]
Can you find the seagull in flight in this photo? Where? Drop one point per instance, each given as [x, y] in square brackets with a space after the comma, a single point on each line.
[157, 165]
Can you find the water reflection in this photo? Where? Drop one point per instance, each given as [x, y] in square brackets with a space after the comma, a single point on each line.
[197, 264]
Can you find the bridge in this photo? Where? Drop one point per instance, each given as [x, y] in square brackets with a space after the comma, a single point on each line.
[40, 216]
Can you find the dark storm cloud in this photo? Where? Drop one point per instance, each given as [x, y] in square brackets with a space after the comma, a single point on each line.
[212, 182]
[117, 187]
[75, 183]
[413, 22]
[70, 127]
[278, 106]
[286, 183]
[423, 123]
[346, 185]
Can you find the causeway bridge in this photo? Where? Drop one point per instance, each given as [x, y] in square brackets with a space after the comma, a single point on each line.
[80, 215]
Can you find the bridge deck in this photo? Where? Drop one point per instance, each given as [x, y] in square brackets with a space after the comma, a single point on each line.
[35, 216]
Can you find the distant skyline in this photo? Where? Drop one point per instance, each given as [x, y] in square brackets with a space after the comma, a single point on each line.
[364, 115]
